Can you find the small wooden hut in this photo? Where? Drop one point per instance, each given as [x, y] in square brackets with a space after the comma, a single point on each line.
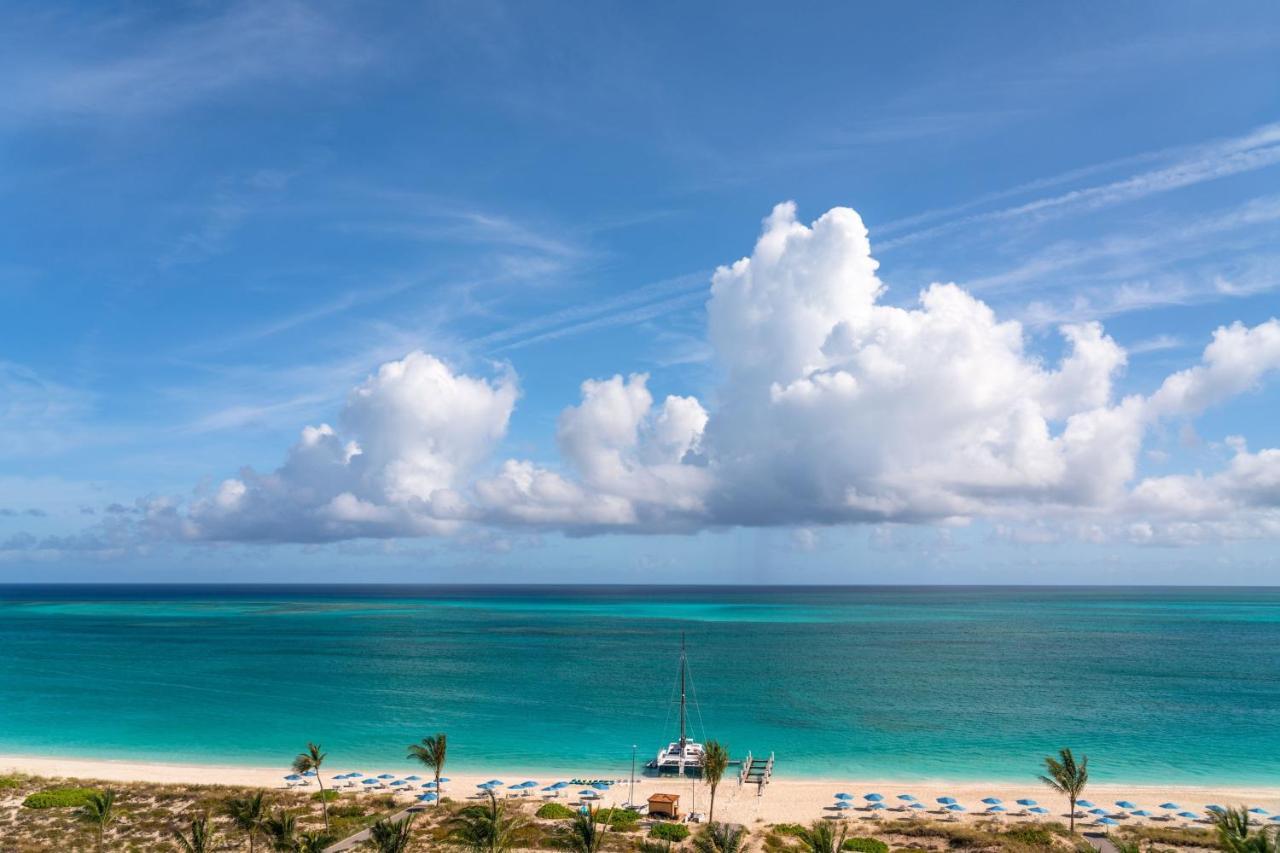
[665, 805]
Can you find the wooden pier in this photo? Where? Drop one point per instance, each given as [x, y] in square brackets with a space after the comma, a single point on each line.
[756, 771]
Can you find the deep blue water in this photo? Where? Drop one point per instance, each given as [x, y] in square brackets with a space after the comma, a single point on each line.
[1172, 685]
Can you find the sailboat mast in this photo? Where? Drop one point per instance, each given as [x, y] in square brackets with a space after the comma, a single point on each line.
[683, 666]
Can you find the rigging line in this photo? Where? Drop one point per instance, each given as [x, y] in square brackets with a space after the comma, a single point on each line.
[697, 706]
[671, 700]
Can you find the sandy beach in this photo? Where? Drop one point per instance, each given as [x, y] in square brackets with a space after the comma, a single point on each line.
[783, 800]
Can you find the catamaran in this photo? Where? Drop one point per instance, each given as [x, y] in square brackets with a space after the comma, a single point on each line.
[683, 756]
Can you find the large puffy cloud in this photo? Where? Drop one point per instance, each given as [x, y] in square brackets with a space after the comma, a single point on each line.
[409, 437]
[834, 407]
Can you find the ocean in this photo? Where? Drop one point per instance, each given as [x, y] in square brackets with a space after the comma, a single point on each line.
[1169, 685]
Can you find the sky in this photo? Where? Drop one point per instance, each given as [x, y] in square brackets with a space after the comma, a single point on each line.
[602, 292]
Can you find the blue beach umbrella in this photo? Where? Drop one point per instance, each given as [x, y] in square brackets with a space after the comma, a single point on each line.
[1141, 813]
[906, 798]
[1098, 812]
[843, 804]
[354, 775]
[877, 806]
[997, 809]
[516, 787]
[1216, 809]
[559, 786]
[947, 801]
[444, 779]
[340, 776]
[1084, 804]
[1027, 802]
[398, 783]
[1275, 817]
[1039, 810]
[992, 801]
[292, 777]
[1188, 815]
[1256, 810]
[413, 778]
[309, 773]
[601, 786]
[1125, 804]
[369, 782]
[528, 783]
[955, 807]
[872, 798]
[843, 796]
[386, 776]
[917, 806]
[1173, 807]
[494, 782]
[1106, 821]
[428, 784]
[427, 798]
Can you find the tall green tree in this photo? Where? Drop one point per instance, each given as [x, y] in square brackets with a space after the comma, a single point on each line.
[715, 760]
[99, 810]
[307, 762]
[282, 829]
[486, 829]
[822, 837]
[249, 815]
[201, 837]
[1237, 835]
[721, 838]
[431, 753]
[585, 833]
[1064, 775]
[388, 836]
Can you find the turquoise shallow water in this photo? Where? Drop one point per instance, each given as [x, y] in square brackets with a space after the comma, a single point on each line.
[1157, 685]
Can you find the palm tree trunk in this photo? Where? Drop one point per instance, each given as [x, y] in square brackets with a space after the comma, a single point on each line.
[324, 804]
[439, 798]
[1072, 828]
[711, 811]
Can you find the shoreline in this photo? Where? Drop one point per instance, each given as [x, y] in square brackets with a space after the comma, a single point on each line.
[784, 799]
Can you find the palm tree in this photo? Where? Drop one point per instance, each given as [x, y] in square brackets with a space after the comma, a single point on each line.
[307, 762]
[202, 836]
[1066, 777]
[99, 811]
[721, 838]
[715, 758]
[388, 837]
[1234, 834]
[585, 834]
[653, 845]
[432, 752]
[821, 837]
[249, 814]
[315, 841]
[282, 828]
[485, 829]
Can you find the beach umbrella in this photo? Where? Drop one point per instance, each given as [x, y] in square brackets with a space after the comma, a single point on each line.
[947, 801]
[1141, 813]
[428, 784]
[1216, 809]
[494, 782]
[309, 773]
[997, 809]
[1276, 817]
[877, 806]
[1256, 810]
[559, 786]
[1084, 804]
[1125, 804]
[386, 776]
[413, 778]
[1099, 812]
[369, 782]
[601, 786]
[1027, 803]
[1039, 810]
[844, 804]
[398, 783]
[917, 806]
[528, 783]
[1188, 815]
[444, 779]
[354, 775]
[292, 777]
[843, 796]
[906, 798]
[427, 798]
[992, 801]
[1173, 807]
[516, 787]
[872, 798]
[955, 807]
[1106, 821]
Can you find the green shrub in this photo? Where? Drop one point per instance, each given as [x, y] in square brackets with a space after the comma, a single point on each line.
[60, 798]
[10, 782]
[554, 811]
[328, 796]
[791, 829]
[669, 831]
[1035, 836]
[622, 820]
[347, 809]
[866, 845]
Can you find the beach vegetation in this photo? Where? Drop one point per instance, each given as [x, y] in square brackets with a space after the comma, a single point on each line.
[201, 837]
[823, 836]
[723, 838]
[715, 760]
[1237, 833]
[431, 753]
[621, 820]
[10, 783]
[98, 811]
[1068, 777]
[326, 796]
[388, 836]
[554, 811]
[1034, 836]
[653, 845]
[489, 828]
[310, 762]
[1172, 836]
[282, 829]
[60, 798]
[249, 815]
[674, 832]
[316, 840]
[860, 844]
[586, 833]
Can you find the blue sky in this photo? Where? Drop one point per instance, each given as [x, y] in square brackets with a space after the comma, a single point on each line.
[218, 220]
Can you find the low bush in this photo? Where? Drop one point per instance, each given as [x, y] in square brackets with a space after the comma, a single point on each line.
[622, 820]
[669, 831]
[60, 798]
[327, 796]
[1171, 835]
[8, 783]
[1035, 836]
[866, 845]
[791, 829]
[554, 811]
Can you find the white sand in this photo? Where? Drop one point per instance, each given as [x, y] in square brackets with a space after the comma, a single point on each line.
[784, 799]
